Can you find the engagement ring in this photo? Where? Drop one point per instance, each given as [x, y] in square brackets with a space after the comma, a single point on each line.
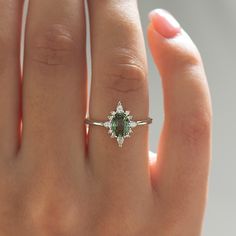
[120, 124]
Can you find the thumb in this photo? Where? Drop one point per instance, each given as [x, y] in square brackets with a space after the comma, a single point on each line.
[184, 150]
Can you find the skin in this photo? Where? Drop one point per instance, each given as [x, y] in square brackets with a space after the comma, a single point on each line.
[55, 179]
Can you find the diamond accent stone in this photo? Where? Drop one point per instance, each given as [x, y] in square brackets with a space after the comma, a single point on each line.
[120, 140]
[120, 124]
[133, 124]
[119, 108]
[107, 124]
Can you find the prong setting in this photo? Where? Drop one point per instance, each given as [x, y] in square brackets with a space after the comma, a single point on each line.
[120, 124]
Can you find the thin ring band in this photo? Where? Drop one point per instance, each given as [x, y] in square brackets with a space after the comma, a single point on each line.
[101, 123]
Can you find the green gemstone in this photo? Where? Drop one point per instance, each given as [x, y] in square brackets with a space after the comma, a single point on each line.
[120, 124]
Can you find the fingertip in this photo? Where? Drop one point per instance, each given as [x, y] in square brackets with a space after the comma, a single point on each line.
[164, 23]
[172, 54]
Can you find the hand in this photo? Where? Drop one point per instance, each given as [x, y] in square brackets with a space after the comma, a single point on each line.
[55, 179]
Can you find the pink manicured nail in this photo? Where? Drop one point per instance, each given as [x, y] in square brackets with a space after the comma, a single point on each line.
[164, 23]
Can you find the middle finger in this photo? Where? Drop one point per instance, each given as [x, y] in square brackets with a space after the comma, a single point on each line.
[54, 84]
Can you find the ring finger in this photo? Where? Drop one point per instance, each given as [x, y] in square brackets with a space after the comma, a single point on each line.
[119, 73]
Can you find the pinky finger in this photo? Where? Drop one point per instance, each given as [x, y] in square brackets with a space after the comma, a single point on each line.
[185, 147]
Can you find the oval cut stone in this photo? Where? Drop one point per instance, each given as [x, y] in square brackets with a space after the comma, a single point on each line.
[120, 124]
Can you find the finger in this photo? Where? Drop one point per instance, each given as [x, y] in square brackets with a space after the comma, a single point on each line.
[54, 91]
[10, 25]
[184, 150]
[119, 73]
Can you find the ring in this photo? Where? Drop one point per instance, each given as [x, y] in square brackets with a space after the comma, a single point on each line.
[120, 124]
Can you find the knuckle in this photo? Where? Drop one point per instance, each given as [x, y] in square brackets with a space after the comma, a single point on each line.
[53, 212]
[125, 76]
[54, 218]
[188, 56]
[46, 207]
[180, 54]
[54, 46]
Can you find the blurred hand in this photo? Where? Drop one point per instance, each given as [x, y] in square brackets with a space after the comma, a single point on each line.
[55, 179]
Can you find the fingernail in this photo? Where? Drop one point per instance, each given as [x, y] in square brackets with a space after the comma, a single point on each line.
[164, 23]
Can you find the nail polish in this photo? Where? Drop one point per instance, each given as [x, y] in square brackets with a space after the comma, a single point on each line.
[164, 23]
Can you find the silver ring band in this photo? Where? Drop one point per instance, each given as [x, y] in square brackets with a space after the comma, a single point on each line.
[103, 124]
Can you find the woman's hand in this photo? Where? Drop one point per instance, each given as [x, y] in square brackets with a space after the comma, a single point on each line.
[55, 179]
